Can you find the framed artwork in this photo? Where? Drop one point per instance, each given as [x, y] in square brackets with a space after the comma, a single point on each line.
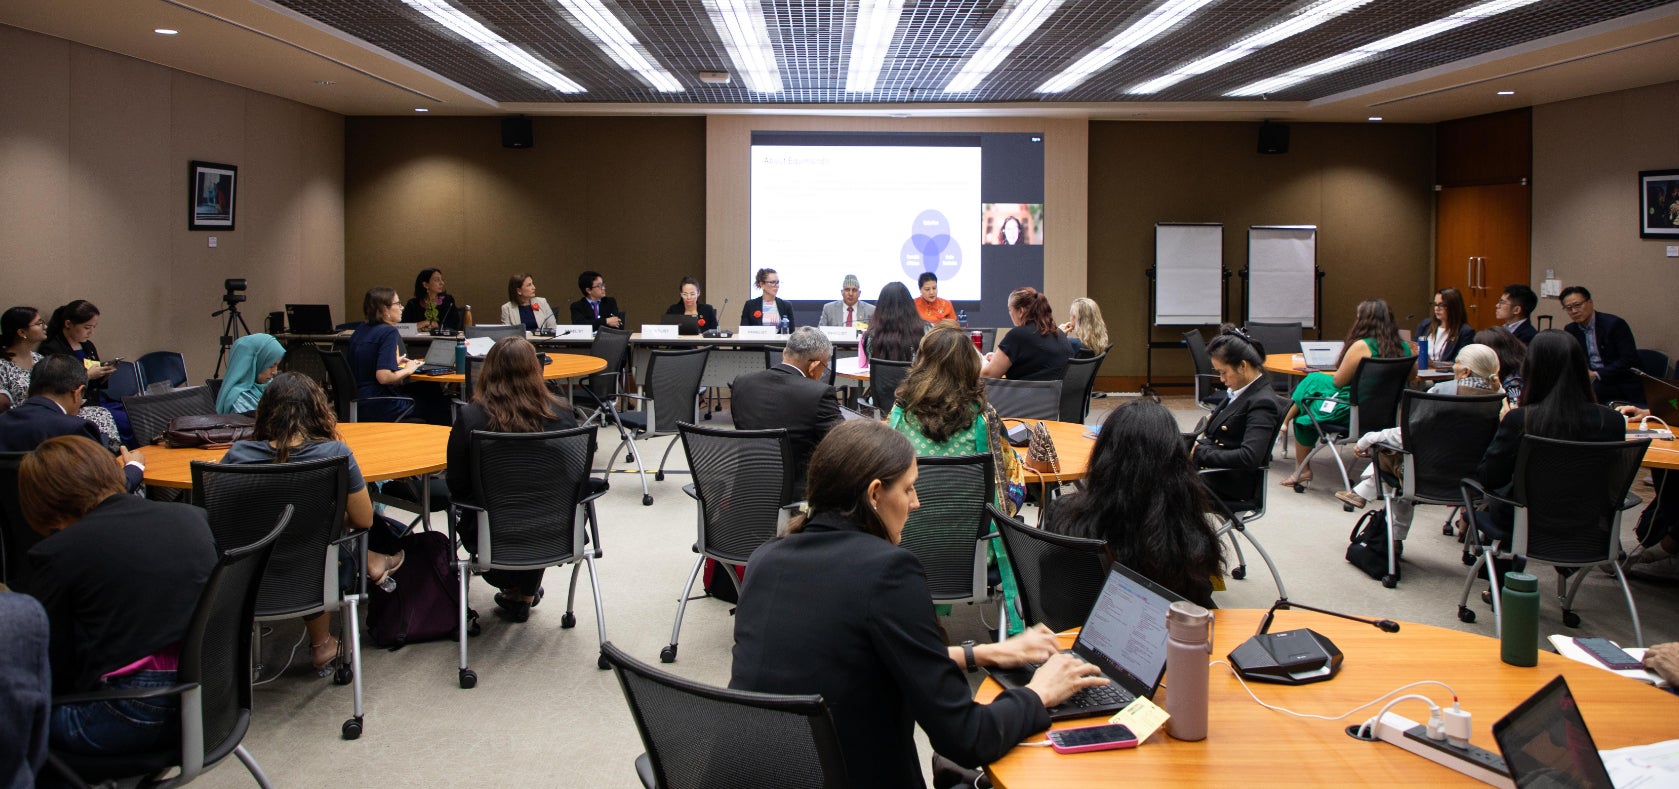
[210, 193]
[1658, 203]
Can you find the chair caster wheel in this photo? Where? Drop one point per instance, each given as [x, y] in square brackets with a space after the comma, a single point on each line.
[1347, 508]
[1465, 615]
[473, 628]
[469, 679]
[1468, 559]
[351, 729]
[568, 620]
[1239, 573]
[1390, 581]
[601, 663]
[668, 654]
[342, 675]
[646, 499]
[1570, 619]
[1448, 530]
[658, 476]
[1299, 488]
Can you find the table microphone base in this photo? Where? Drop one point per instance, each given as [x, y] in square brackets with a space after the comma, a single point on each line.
[1292, 657]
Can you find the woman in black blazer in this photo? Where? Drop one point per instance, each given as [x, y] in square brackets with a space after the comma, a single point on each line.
[1239, 433]
[1449, 329]
[758, 312]
[689, 303]
[835, 607]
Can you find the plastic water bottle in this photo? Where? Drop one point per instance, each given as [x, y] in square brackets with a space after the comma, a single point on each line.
[1189, 642]
[1519, 638]
[962, 318]
[389, 584]
[786, 326]
[1422, 354]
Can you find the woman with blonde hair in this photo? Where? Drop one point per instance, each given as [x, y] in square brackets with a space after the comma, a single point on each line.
[1084, 328]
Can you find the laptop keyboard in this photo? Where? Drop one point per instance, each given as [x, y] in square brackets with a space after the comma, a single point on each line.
[1107, 695]
[429, 370]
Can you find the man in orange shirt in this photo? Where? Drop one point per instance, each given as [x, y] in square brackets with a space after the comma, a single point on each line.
[932, 308]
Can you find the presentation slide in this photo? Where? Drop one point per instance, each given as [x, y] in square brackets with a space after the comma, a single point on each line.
[884, 213]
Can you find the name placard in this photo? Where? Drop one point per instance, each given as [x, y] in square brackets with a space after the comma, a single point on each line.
[840, 333]
[756, 331]
[660, 331]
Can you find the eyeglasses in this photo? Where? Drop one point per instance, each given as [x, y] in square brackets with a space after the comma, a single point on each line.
[1574, 307]
[772, 282]
[38, 322]
[598, 286]
[690, 294]
[1439, 305]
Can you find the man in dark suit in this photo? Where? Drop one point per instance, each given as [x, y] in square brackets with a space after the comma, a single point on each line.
[56, 387]
[791, 395]
[1515, 309]
[1610, 348]
[596, 309]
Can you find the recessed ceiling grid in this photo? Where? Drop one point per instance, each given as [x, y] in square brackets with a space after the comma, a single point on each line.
[934, 39]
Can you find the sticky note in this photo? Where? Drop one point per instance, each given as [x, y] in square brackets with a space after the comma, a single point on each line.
[1142, 717]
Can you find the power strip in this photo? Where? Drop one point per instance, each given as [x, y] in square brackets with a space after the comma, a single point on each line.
[1478, 763]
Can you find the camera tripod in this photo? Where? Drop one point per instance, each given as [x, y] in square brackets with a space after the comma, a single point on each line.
[231, 328]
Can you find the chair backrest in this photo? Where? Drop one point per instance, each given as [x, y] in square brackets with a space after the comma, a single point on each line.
[613, 345]
[742, 479]
[673, 381]
[16, 538]
[1251, 500]
[1571, 494]
[1277, 337]
[1076, 387]
[945, 532]
[1375, 390]
[1652, 362]
[216, 652]
[529, 485]
[242, 502]
[884, 377]
[699, 736]
[306, 360]
[494, 331]
[1024, 399]
[160, 367]
[474, 365]
[343, 380]
[1446, 435]
[149, 414]
[1057, 577]
[1198, 355]
[123, 381]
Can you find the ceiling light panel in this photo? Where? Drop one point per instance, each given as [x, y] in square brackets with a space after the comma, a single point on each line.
[1017, 20]
[877, 21]
[741, 25]
[602, 27]
[1301, 21]
[474, 32]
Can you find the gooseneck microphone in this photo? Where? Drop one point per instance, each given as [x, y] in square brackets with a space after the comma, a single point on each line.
[1648, 377]
[1294, 657]
[1386, 625]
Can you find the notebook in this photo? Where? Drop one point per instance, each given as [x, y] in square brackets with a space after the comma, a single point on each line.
[309, 319]
[1321, 354]
[1545, 742]
[440, 358]
[1124, 636]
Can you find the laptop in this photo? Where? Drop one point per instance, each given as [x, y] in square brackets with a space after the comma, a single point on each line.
[1545, 742]
[440, 358]
[686, 325]
[309, 318]
[1321, 354]
[1124, 636]
[1663, 397]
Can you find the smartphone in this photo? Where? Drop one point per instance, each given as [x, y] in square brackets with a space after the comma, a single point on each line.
[114, 362]
[1608, 654]
[1092, 738]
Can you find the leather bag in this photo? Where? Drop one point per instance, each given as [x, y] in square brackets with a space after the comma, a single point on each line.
[208, 432]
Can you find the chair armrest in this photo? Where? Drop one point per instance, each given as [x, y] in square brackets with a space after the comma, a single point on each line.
[1467, 484]
[1631, 501]
[692, 493]
[350, 535]
[1220, 470]
[123, 694]
[398, 398]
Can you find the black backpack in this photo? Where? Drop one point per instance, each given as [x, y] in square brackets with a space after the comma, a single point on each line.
[423, 607]
[1369, 548]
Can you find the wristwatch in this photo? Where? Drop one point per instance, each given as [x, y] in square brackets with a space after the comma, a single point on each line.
[968, 652]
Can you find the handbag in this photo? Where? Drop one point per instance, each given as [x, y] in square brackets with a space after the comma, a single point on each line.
[1040, 450]
[1006, 466]
[207, 432]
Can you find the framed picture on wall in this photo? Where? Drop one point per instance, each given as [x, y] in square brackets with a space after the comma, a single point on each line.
[1658, 201]
[210, 192]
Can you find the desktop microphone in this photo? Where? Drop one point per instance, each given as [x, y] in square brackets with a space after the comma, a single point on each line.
[717, 331]
[1648, 377]
[1294, 657]
[439, 331]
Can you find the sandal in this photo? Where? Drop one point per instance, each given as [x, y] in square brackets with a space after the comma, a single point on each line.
[1299, 477]
[324, 667]
[1351, 499]
[395, 562]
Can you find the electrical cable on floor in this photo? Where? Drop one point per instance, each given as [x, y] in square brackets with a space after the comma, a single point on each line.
[289, 658]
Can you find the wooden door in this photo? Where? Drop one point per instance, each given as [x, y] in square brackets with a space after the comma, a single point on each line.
[1457, 241]
[1506, 224]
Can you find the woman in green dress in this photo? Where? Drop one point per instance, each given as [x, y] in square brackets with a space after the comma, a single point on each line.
[1374, 335]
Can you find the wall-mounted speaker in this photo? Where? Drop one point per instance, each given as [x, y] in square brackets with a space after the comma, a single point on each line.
[516, 132]
[1273, 137]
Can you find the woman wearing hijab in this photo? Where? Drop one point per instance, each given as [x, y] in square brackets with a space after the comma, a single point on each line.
[253, 361]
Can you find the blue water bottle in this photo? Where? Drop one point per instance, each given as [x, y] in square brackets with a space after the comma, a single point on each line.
[962, 318]
[1422, 354]
[786, 326]
[460, 356]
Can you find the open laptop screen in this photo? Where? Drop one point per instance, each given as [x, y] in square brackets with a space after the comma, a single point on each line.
[1545, 742]
[1125, 634]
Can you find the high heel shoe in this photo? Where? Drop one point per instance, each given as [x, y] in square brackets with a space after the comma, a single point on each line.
[380, 580]
[325, 667]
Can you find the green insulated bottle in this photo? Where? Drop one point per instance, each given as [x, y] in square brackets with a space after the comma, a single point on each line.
[1520, 638]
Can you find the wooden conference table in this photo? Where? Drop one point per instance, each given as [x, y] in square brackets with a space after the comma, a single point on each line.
[1250, 745]
[562, 366]
[383, 450]
[1291, 364]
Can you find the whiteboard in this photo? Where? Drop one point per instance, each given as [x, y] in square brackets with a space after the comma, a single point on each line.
[1282, 274]
[1188, 274]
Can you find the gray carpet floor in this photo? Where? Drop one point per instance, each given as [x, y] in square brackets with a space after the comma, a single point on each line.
[544, 715]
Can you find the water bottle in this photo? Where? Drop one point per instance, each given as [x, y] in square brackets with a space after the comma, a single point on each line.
[1519, 638]
[1422, 354]
[1189, 642]
[962, 318]
[460, 357]
[389, 584]
[786, 326]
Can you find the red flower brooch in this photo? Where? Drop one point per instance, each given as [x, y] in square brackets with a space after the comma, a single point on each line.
[757, 313]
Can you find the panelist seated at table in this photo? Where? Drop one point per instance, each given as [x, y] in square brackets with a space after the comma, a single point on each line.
[595, 309]
[1514, 309]
[1035, 349]
[1610, 349]
[1238, 435]
[1143, 498]
[689, 305]
[432, 307]
[930, 307]
[1448, 330]
[767, 309]
[835, 607]
[849, 310]
[382, 369]
[523, 307]
[57, 385]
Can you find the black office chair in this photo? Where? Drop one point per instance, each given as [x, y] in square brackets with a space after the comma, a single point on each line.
[162, 368]
[672, 397]
[698, 736]
[1278, 338]
[1209, 388]
[743, 482]
[1373, 400]
[1077, 386]
[534, 510]
[16, 537]
[950, 531]
[305, 359]
[149, 414]
[885, 375]
[123, 382]
[1057, 577]
[344, 393]
[1653, 362]
[1249, 486]
[213, 681]
[302, 576]
[1567, 498]
[1024, 399]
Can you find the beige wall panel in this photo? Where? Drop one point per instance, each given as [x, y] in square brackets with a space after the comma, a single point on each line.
[35, 220]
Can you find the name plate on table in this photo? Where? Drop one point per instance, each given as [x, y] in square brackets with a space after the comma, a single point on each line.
[583, 330]
[756, 331]
[840, 333]
[659, 331]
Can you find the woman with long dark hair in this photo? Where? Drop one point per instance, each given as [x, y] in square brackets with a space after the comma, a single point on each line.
[896, 329]
[22, 332]
[1143, 497]
[508, 397]
[432, 307]
[844, 612]
[1035, 349]
[1449, 329]
[1373, 335]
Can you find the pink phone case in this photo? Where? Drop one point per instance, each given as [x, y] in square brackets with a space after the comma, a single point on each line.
[1109, 745]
